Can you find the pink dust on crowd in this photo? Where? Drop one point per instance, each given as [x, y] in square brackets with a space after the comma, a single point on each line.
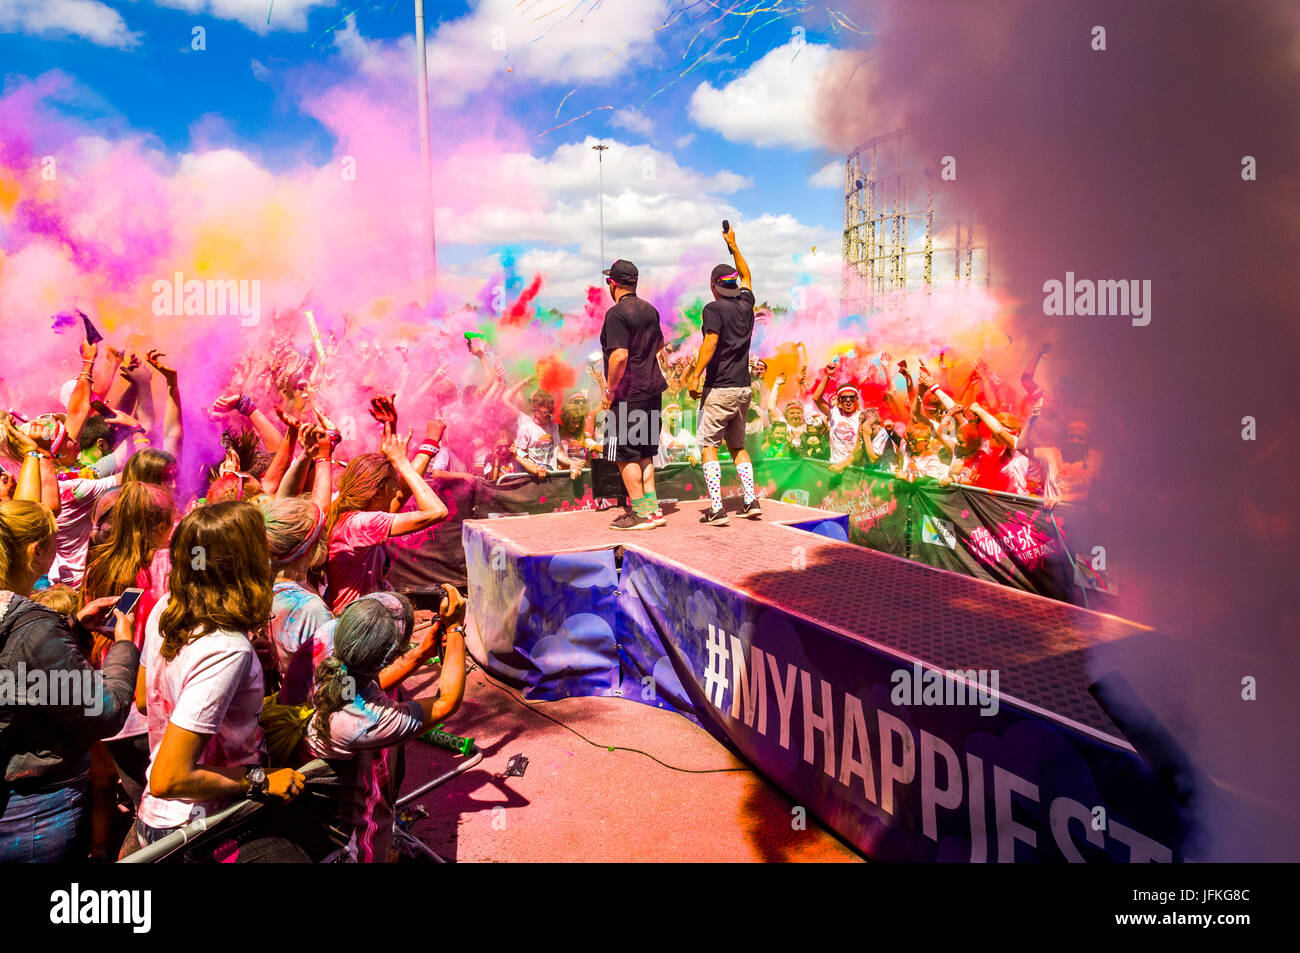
[1128, 165]
[105, 221]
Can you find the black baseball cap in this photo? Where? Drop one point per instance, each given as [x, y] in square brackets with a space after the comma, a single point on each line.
[622, 272]
[726, 280]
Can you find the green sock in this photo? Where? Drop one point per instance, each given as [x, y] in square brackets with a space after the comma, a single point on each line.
[636, 504]
[651, 503]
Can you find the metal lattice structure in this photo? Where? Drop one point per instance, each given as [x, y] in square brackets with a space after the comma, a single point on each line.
[895, 240]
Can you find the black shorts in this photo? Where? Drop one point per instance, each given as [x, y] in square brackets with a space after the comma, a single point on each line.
[631, 430]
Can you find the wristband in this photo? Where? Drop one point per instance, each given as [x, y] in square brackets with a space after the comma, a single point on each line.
[40, 453]
[429, 447]
[245, 405]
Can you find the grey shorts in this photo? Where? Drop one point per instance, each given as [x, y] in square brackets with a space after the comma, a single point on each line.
[723, 412]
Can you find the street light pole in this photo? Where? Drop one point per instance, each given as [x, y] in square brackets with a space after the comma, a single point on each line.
[600, 159]
[426, 156]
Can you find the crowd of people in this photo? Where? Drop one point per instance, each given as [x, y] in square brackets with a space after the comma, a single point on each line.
[260, 635]
[265, 635]
[905, 418]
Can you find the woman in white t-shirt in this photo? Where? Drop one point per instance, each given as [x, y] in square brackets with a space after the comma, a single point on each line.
[202, 679]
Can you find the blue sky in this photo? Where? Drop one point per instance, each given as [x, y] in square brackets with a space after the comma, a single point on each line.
[738, 118]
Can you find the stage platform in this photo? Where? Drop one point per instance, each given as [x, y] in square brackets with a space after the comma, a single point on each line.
[921, 714]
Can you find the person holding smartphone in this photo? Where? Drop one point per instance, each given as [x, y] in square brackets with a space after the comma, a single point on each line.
[44, 801]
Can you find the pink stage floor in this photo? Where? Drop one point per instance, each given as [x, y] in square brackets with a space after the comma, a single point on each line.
[1040, 646]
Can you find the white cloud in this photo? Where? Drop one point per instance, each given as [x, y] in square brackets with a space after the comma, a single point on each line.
[668, 223]
[260, 70]
[774, 102]
[683, 141]
[81, 19]
[829, 176]
[573, 45]
[375, 57]
[633, 120]
[254, 14]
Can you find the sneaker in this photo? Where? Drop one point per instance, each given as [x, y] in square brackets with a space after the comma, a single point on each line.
[716, 517]
[630, 520]
[751, 510]
[658, 517]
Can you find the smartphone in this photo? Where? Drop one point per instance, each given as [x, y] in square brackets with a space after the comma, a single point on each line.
[726, 226]
[101, 408]
[125, 603]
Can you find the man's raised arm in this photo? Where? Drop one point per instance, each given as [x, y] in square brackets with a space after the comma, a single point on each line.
[742, 266]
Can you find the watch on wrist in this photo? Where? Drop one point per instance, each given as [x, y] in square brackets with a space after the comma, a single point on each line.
[256, 778]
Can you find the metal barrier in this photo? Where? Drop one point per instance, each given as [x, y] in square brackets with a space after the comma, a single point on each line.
[240, 809]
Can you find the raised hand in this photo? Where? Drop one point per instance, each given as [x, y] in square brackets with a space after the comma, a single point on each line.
[155, 359]
[133, 369]
[121, 418]
[393, 446]
[312, 439]
[18, 436]
[288, 419]
[384, 411]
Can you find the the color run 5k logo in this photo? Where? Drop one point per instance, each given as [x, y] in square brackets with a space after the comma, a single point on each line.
[1017, 539]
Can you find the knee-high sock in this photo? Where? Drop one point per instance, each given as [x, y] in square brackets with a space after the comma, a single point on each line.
[713, 480]
[746, 473]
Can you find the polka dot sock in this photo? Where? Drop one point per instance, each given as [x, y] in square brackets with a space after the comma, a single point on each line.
[713, 480]
[746, 473]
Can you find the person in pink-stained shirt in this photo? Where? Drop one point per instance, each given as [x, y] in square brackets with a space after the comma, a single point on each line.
[367, 512]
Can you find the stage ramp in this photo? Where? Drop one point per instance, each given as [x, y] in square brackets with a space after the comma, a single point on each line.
[922, 715]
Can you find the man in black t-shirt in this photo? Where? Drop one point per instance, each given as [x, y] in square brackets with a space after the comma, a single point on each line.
[720, 378]
[631, 340]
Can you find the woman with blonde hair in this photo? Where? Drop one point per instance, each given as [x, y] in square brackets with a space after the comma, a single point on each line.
[45, 732]
[133, 555]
